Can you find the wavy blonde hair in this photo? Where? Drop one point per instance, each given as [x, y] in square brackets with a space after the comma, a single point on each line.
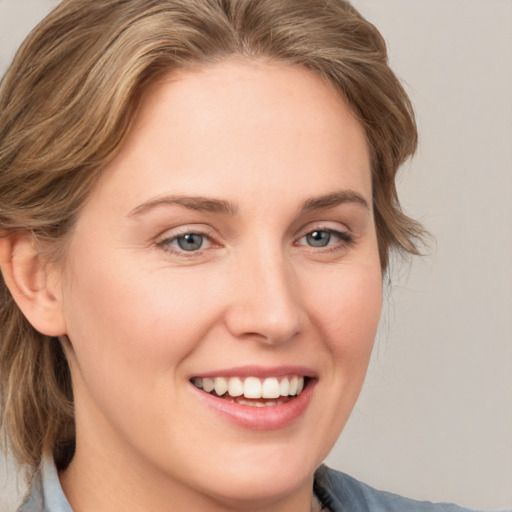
[66, 105]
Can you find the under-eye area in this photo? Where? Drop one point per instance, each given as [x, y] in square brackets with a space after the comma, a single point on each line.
[254, 391]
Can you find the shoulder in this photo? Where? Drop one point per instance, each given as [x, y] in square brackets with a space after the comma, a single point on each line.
[342, 493]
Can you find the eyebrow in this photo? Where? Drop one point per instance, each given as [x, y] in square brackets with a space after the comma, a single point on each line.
[211, 205]
[199, 203]
[335, 199]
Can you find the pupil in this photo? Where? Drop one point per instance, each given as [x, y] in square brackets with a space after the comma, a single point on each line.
[318, 238]
[190, 242]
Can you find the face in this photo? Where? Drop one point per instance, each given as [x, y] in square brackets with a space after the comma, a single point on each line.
[230, 244]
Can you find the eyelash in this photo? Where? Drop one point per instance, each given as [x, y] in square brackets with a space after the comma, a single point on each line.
[344, 238]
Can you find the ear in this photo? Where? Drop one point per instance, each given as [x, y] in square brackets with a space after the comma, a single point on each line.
[34, 287]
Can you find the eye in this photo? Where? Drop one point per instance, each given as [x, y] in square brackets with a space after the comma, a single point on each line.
[186, 242]
[320, 238]
[190, 241]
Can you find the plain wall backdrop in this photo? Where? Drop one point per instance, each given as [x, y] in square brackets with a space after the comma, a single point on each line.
[434, 420]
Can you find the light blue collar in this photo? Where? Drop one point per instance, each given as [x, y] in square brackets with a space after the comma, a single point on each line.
[46, 494]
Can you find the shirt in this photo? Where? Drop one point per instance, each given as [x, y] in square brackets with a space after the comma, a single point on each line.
[336, 491]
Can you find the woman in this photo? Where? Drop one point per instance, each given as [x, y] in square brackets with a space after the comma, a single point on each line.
[197, 209]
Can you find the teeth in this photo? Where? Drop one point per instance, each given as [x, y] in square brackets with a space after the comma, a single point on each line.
[284, 387]
[252, 387]
[294, 384]
[253, 403]
[235, 387]
[221, 385]
[270, 388]
[208, 385]
[300, 386]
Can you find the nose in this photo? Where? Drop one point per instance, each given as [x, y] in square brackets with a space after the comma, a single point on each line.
[265, 301]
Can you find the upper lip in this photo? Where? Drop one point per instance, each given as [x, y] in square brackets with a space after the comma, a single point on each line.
[259, 371]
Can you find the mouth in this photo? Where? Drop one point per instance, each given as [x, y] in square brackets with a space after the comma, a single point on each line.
[253, 391]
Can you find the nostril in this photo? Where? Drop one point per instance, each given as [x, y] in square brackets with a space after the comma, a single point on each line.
[259, 324]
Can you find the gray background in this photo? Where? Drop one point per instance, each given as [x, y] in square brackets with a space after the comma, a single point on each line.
[434, 420]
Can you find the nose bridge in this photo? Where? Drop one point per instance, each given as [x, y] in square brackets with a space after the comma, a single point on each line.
[267, 303]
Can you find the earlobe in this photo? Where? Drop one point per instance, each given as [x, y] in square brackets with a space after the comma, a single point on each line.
[31, 283]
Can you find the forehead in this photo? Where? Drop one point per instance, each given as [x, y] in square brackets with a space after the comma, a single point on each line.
[250, 123]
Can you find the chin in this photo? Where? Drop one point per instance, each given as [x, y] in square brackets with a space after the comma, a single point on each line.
[267, 475]
[260, 486]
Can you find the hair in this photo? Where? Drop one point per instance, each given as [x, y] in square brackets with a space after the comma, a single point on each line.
[66, 105]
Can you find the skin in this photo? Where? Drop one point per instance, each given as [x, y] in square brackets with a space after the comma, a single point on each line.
[143, 316]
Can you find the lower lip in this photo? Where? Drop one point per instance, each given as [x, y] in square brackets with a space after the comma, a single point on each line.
[272, 417]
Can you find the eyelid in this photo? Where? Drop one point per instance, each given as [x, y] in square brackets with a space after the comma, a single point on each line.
[325, 225]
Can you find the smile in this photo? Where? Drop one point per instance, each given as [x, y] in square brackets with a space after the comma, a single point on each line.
[256, 397]
[253, 391]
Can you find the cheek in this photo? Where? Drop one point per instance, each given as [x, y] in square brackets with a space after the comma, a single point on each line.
[127, 323]
[130, 343]
[348, 312]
